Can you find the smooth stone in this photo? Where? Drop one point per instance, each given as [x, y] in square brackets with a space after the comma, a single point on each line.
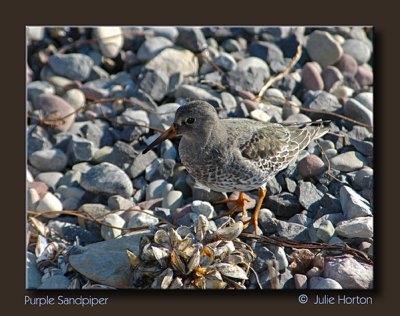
[94, 210]
[49, 160]
[349, 272]
[110, 40]
[309, 195]
[322, 101]
[108, 232]
[311, 78]
[364, 76]
[140, 163]
[202, 207]
[191, 38]
[117, 202]
[71, 178]
[253, 62]
[49, 203]
[320, 283]
[173, 200]
[165, 115]
[75, 98]
[37, 139]
[347, 64]
[334, 218]
[195, 93]
[228, 101]
[311, 166]
[323, 48]
[71, 203]
[301, 219]
[364, 178]
[55, 282]
[284, 204]
[280, 256]
[291, 230]
[331, 75]
[108, 179]
[80, 149]
[72, 232]
[50, 178]
[36, 88]
[313, 272]
[175, 60]
[267, 51]
[140, 219]
[358, 49]
[231, 45]
[72, 66]
[160, 169]
[325, 231]
[33, 275]
[298, 118]
[165, 31]
[52, 105]
[40, 187]
[168, 150]
[35, 33]
[347, 162]
[260, 115]
[359, 227]
[353, 204]
[263, 257]
[155, 189]
[300, 281]
[155, 83]
[107, 262]
[33, 199]
[226, 62]
[366, 99]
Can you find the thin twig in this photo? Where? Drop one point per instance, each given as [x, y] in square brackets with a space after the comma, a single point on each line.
[207, 59]
[328, 162]
[257, 278]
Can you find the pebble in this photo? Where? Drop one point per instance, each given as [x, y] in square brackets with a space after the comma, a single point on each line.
[298, 118]
[266, 51]
[313, 272]
[353, 204]
[204, 208]
[74, 97]
[311, 166]
[191, 38]
[35, 33]
[155, 83]
[349, 272]
[72, 66]
[140, 163]
[366, 99]
[284, 204]
[323, 101]
[118, 202]
[80, 149]
[54, 105]
[291, 230]
[364, 178]
[49, 203]
[109, 232]
[280, 256]
[55, 282]
[165, 31]
[173, 60]
[325, 231]
[108, 179]
[309, 195]
[36, 88]
[50, 178]
[71, 232]
[300, 281]
[359, 227]
[140, 219]
[40, 187]
[164, 121]
[231, 45]
[155, 189]
[331, 75]
[33, 199]
[311, 78]
[160, 169]
[320, 283]
[173, 200]
[106, 262]
[323, 48]
[347, 162]
[333, 218]
[358, 49]
[347, 64]
[151, 47]
[110, 40]
[260, 115]
[301, 219]
[33, 275]
[226, 62]
[49, 160]
[364, 76]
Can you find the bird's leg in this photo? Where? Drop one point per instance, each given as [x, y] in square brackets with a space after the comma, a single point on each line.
[240, 203]
[262, 192]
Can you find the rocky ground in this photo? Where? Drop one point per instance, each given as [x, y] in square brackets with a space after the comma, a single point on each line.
[96, 97]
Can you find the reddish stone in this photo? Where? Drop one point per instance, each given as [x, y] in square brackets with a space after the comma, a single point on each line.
[347, 64]
[330, 75]
[40, 187]
[311, 166]
[364, 76]
[311, 78]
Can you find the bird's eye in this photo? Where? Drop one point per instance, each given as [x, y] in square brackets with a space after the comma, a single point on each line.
[190, 120]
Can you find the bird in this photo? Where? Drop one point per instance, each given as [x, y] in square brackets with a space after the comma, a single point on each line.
[236, 154]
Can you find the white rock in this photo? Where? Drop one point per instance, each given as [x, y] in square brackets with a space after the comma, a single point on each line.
[33, 199]
[359, 227]
[49, 203]
[109, 232]
[110, 40]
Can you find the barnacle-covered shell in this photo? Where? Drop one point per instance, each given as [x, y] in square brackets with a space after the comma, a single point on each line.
[174, 237]
[213, 280]
[207, 256]
[194, 261]
[201, 228]
[231, 232]
[177, 263]
[147, 253]
[133, 259]
[232, 271]
[176, 283]
[161, 255]
[163, 280]
[161, 237]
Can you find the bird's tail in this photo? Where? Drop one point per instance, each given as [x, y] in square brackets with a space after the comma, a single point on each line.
[316, 128]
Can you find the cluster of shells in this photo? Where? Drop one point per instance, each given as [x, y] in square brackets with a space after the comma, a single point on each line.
[196, 257]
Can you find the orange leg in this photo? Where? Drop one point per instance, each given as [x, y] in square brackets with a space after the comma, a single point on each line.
[240, 204]
[262, 192]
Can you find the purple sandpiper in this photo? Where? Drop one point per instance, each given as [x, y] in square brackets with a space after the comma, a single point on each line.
[236, 154]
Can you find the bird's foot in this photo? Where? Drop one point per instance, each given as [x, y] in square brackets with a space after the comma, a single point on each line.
[240, 203]
[262, 192]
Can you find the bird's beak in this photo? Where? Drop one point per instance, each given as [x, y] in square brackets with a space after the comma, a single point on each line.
[169, 133]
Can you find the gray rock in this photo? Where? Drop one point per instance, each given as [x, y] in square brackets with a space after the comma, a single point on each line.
[364, 179]
[37, 139]
[364, 147]
[107, 178]
[231, 45]
[70, 178]
[320, 283]
[353, 204]
[155, 189]
[71, 203]
[33, 199]
[33, 275]
[72, 66]
[55, 282]
[117, 202]
[226, 62]
[260, 115]
[263, 256]
[300, 219]
[36, 88]
[140, 163]
[291, 230]
[141, 219]
[349, 272]
[359, 227]
[49, 160]
[165, 31]
[160, 169]
[191, 38]
[50, 178]
[193, 93]
[280, 256]
[322, 101]
[309, 195]
[173, 200]
[325, 231]
[71, 232]
[333, 218]
[80, 149]
[355, 110]
[165, 115]
[110, 232]
[168, 150]
[347, 162]
[228, 101]
[331, 203]
[107, 262]
[110, 40]
[323, 48]
[366, 99]
[358, 49]
[283, 204]
[266, 51]
[155, 83]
